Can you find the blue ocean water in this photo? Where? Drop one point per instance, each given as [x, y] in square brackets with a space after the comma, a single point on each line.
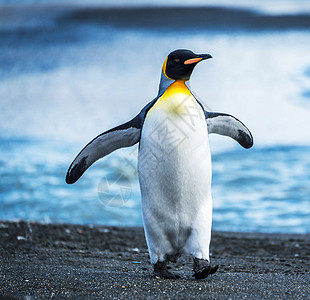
[69, 72]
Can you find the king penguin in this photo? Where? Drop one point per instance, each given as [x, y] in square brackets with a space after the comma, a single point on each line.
[174, 165]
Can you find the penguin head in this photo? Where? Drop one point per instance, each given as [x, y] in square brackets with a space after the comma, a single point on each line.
[180, 64]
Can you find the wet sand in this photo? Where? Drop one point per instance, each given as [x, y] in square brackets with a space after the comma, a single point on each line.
[80, 261]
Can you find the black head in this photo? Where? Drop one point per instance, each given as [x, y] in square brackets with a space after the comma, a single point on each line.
[180, 64]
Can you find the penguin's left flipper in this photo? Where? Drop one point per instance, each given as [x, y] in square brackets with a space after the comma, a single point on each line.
[124, 135]
[228, 125]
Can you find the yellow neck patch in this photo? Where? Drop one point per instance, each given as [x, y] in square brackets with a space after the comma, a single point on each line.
[178, 86]
[174, 99]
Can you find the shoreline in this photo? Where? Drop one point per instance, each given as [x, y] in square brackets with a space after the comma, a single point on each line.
[78, 261]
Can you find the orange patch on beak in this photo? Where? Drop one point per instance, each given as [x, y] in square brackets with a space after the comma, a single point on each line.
[192, 61]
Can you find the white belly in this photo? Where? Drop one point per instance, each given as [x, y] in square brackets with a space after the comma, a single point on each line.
[175, 176]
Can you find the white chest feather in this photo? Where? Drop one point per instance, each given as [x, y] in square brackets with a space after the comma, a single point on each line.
[174, 171]
[174, 156]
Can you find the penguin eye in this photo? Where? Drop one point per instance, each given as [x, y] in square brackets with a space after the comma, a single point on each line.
[177, 60]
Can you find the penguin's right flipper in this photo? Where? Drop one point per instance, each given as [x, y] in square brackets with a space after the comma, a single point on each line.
[228, 125]
[124, 135]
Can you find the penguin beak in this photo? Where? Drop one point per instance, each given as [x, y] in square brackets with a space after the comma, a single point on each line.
[197, 59]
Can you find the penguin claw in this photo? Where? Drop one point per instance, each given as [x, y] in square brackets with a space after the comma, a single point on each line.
[213, 269]
[202, 268]
[204, 273]
[161, 271]
[166, 275]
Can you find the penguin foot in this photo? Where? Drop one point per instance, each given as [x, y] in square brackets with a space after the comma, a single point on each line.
[161, 271]
[202, 268]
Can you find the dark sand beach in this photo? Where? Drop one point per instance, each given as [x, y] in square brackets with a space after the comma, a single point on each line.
[80, 261]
